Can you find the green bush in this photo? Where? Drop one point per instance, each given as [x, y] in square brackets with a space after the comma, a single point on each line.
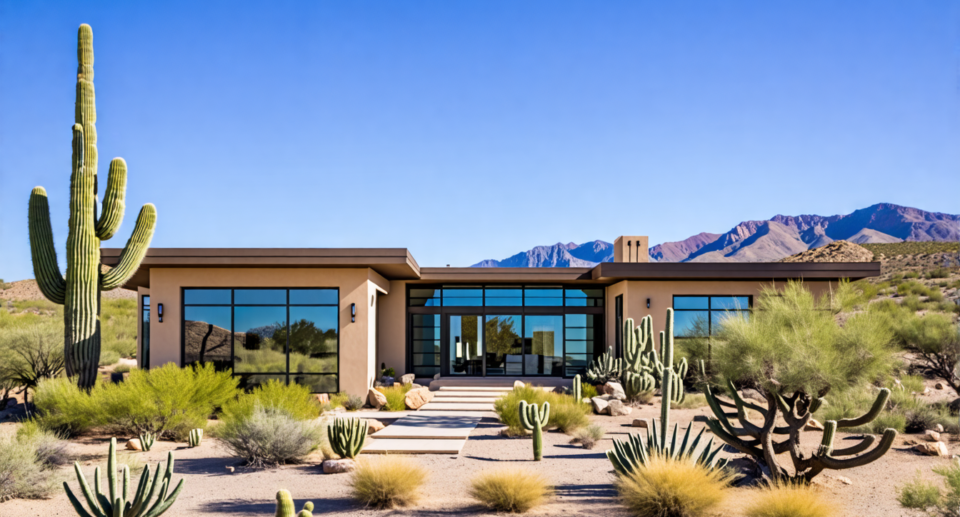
[919, 494]
[588, 436]
[166, 401]
[338, 399]
[28, 464]
[108, 357]
[293, 399]
[951, 478]
[940, 272]
[396, 397]
[31, 347]
[564, 411]
[589, 390]
[270, 436]
[911, 274]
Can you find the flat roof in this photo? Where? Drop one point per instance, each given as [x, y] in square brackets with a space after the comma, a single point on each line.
[399, 264]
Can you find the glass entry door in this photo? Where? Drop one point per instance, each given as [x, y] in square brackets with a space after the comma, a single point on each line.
[465, 344]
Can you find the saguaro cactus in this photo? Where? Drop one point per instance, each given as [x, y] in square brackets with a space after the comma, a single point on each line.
[79, 292]
[118, 504]
[577, 389]
[533, 419]
[347, 436]
[286, 508]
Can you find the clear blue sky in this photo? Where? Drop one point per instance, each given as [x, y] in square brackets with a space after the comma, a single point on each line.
[466, 130]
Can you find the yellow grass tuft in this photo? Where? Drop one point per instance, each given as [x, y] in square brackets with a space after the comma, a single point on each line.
[510, 490]
[671, 488]
[790, 500]
[389, 482]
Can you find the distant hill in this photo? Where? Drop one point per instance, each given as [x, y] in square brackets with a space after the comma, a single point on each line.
[28, 290]
[762, 241]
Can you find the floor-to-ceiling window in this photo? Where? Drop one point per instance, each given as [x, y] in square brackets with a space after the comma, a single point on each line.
[290, 335]
[495, 330]
[145, 332]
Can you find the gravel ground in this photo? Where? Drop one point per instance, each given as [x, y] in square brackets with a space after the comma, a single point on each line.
[583, 478]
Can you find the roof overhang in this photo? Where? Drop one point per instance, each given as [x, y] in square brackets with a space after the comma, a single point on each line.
[615, 271]
[506, 275]
[391, 263]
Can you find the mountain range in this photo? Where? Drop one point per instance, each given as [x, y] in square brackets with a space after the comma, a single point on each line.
[761, 241]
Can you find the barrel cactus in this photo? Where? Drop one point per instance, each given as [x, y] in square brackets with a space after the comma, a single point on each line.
[286, 508]
[347, 436]
[79, 292]
[116, 503]
[534, 419]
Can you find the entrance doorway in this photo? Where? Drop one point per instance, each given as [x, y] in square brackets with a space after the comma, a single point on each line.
[504, 345]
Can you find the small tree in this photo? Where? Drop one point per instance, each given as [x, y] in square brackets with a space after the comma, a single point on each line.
[30, 353]
[935, 340]
[793, 351]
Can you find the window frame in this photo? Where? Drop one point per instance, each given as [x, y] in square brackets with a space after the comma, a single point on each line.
[709, 310]
[287, 375]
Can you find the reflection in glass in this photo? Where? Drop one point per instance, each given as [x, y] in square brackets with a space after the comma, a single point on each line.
[503, 346]
[251, 381]
[466, 345]
[206, 336]
[730, 303]
[584, 297]
[543, 345]
[583, 342]
[144, 358]
[426, 344]
[691, 302]
[316, 383]
[254, 346]
[543, 297]
[504, 297]
[314, 297]
[691, 324]
[463, 297]
[313, 339]
[260, 296]
[206, 296]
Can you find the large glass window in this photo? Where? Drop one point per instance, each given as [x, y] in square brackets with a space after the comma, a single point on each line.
[543, 345]
[145, 332]
[261, 334]
[702, 316]
[426, 344]
[584, 341]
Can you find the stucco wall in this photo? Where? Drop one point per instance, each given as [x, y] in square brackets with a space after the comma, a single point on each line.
[357, 339]
[392, 346]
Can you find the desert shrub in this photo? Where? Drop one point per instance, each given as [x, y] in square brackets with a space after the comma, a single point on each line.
[951, 478]
[672, 488]
[935, 339]
[294, 399]
[108, 357]
[940, 272]
[589, 390]
[911, 274]
[28, 464]
[390, 482]
[338, 399]
[641, 398]
[32, 350]
[588, 436]
[353, 403]
[935, 296]
[510, 490]
[919, 493]
[270, 436]
[790, 500]
[691, 401]
[395, 397]
[166, 401]
[565, 412]
[912, 383]
[123, 368]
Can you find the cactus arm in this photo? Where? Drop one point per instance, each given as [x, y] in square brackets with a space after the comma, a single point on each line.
[848, 463]
[88, 494]
[112, 470]
[113, 200]
[165, 505]
[545, 414]
[869, 416]
[865, 443]
[44, 254]
[77, 505]
[134, 251]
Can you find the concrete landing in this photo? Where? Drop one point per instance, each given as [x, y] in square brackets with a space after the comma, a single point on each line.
[435, 427]
[457, 406]
[466, 400]
[475, 388]
[461, 393]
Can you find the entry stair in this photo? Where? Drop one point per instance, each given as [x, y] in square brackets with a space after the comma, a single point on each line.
[441, 426]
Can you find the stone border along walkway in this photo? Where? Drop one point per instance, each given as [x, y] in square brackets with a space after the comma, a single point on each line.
[442, 426]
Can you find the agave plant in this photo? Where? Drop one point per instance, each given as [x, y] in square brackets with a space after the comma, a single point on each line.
[627, 456]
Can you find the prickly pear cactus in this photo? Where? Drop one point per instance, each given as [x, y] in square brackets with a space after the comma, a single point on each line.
[79, 292]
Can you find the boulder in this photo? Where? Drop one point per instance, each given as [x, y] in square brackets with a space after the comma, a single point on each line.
[813, 425]
[617, 408]
[938, 428]
[338, 466]
[615, 390]
[939, 386]
[322, 398]
[643, 423]
[415, 386]
[407, 378]
[931, 436]
[374, 425]
[415, 399]
[844, 479]
[599, 405]
[436, 377]
[376, 399]
[518, 384]
[932, 449]
[134, 445]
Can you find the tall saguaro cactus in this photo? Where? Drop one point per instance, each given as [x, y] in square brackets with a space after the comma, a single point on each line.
[79, 292]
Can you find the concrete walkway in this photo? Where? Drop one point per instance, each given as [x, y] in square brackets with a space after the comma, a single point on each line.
[441, 426]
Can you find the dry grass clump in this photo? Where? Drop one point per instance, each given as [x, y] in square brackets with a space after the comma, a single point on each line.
[691, 401]
[390, 482]
[510, 490]
[396, 397]
[671, 488]
[270, 437]
[566, 414]
[588, 436]
[790, 500]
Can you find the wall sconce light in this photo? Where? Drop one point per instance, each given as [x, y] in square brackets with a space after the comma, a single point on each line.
[648, 303]
[160, 312]
[353, 312]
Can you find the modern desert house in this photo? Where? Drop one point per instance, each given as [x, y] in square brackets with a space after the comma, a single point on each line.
[330, 318]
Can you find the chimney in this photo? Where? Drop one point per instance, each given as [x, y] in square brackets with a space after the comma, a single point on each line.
[631, 249]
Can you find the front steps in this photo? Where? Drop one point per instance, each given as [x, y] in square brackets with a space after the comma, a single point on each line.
[465, 398]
